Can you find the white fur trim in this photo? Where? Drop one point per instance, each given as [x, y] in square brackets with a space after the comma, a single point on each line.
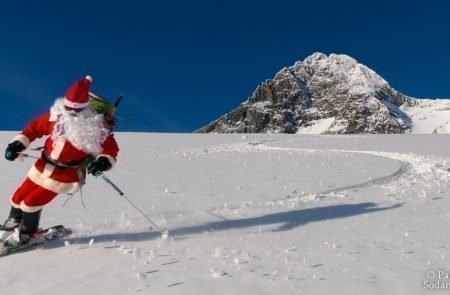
[28, 209]
[50, 184]
[111, 159]
[23, 139]
[75, 105]
[48, 170]
[88, 77]
[58, 146]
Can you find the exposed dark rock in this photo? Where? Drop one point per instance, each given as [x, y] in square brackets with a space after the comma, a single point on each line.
[335, 91]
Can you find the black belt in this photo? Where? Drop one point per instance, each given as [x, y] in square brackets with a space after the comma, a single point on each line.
[49, 159]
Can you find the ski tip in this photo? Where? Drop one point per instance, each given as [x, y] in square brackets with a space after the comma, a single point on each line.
[64, 231]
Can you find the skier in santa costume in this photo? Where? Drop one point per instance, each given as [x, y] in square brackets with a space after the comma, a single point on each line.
[76, 132]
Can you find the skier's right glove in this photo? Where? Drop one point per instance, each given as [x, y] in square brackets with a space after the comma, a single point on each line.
[99, 166]
[13, 150]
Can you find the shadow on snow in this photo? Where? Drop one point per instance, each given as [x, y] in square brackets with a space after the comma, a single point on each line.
[287, 220]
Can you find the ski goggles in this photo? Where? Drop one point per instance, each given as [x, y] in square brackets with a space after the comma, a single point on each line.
[69, 109]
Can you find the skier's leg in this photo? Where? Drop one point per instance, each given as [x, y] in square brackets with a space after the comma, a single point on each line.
[36, 199]
[30, 224]
[31, 206]
[14, 219]
[15, 214]
[22, 192]
[11, 223]
[28, 230]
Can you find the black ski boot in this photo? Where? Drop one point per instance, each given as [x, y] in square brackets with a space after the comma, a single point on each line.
[27, 231]
[13, 221]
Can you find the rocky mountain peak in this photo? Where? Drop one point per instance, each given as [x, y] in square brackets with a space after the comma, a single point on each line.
[335, 92]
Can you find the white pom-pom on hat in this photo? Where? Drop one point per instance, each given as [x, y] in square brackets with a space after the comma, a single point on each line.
[88, 77]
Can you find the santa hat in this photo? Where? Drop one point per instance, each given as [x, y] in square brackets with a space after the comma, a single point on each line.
[77, 96]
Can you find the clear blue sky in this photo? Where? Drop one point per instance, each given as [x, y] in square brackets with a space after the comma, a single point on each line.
[182, 64]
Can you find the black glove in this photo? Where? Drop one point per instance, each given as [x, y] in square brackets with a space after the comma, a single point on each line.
[13, 149]
[99, 166]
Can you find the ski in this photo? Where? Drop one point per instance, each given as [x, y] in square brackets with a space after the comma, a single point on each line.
[48, 234]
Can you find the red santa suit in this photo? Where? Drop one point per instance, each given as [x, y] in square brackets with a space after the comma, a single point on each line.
[59, 168]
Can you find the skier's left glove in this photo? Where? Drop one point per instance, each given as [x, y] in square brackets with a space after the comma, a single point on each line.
[99, 166]
[13, 150]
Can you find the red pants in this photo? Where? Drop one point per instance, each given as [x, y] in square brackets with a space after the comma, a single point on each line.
[31, 197]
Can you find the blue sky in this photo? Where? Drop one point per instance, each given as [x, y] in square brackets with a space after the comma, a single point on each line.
[182, 64]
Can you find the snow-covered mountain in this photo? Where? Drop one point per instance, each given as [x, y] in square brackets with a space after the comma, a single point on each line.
[255, 214]
[332, 94]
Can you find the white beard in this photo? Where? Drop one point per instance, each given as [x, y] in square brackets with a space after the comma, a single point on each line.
[85, 130]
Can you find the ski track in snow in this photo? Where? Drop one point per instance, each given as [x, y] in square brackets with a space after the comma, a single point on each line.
[414, 170]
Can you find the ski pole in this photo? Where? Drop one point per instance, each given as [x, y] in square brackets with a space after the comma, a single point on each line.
[118, 101]
[24, 155]
[21, 156]
[121, 193]
[164, 234]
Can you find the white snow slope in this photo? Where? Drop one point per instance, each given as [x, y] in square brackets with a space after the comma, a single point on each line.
[255, 214]
[424, 116]
[429, 115]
